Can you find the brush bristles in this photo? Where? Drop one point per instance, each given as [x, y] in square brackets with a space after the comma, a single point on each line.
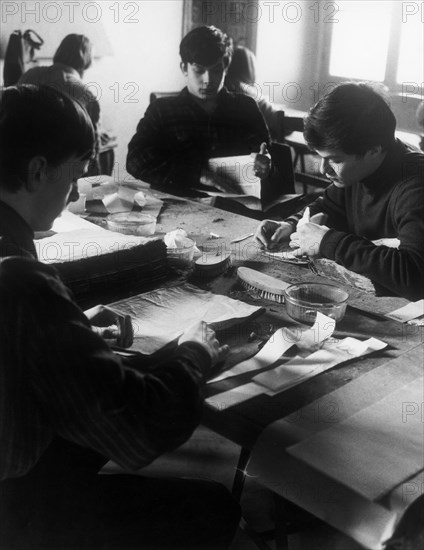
[279, 298]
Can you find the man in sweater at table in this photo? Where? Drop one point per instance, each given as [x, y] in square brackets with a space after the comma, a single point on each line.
[374, 209]
[68, 404]
[178, 135]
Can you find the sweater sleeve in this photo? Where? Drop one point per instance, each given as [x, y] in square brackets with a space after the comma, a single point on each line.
[398, 271]
[89, 396]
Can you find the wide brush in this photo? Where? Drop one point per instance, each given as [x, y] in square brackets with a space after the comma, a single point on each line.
[267, 287]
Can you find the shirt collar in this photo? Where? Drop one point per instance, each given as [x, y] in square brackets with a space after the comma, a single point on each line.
[14, 228]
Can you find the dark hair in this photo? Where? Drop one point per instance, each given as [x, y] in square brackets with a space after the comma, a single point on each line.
[74, 51]
[353, 117]
[242, 68]
[40, 121]
[205, 45]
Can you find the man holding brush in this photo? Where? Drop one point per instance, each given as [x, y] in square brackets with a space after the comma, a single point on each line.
[374, 209]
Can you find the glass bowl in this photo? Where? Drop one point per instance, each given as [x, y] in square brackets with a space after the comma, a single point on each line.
[181, 256]
[304, 300]
[132, 223]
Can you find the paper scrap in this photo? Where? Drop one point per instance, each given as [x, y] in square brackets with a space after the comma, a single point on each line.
[408, 312]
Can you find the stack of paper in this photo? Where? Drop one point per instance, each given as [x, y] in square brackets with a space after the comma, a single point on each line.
[92, 260]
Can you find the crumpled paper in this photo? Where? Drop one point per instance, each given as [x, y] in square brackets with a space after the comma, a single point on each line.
[178, 239]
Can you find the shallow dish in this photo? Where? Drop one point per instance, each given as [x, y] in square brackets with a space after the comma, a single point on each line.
[304, 300]
[132, 223]
[181, 256]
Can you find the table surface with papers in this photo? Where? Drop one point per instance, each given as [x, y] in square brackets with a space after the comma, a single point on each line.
[327, 399]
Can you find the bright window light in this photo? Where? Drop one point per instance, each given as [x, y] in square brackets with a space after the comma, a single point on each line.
[360, 40]
[411, 58]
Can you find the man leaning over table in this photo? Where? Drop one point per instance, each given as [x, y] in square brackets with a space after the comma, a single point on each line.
[178, 135]
[68, 404]
[374, 207]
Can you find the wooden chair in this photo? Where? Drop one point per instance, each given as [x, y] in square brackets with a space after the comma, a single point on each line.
[157, 95]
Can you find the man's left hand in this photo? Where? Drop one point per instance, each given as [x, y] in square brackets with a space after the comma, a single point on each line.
[262, 165]
[307, 239]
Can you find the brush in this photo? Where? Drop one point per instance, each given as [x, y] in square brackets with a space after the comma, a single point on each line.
[267, 287]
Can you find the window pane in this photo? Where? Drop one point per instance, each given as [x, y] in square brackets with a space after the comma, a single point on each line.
[411, 62]
[360, 40]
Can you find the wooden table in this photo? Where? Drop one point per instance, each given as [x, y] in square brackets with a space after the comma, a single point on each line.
[244, 423]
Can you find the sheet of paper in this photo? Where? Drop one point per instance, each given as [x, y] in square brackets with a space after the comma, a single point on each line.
[162, 315]
[240, 170]
[299, 369]
[408, 312]
[374, 450]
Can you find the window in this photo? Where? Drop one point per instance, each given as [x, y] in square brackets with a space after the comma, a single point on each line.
[359, 42]
[380, 41]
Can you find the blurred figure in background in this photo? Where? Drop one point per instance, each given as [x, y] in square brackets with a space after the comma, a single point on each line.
[72, 58]
[241, 79]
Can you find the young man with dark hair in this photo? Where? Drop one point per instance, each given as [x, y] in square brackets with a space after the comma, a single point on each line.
[178, 135]
[68, 404]
[375, 206]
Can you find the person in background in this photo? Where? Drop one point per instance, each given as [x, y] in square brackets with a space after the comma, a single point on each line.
[68, 404]
[374, 208]
[241, 79]
[72, 58]
[178, 135]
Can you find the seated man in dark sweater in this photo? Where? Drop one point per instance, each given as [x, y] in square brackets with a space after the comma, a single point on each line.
[375, 206]
[68, 404]
[178, 135]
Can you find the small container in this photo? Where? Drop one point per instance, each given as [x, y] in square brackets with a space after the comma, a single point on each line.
[181, 256]
[132, 223]
[304, 300]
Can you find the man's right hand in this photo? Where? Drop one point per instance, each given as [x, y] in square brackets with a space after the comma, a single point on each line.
[202, 334]
[270, 233]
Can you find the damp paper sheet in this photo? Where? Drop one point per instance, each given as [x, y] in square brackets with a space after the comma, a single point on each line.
[161, 316]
